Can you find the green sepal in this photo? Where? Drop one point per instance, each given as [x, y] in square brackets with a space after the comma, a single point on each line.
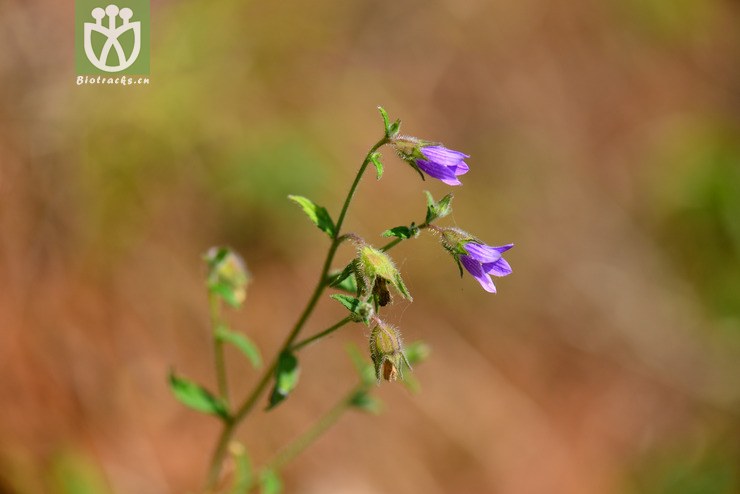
[318, 214]
[459, 265]
[286, 378]
[364, 369]
[401, 287]
[366, 402]
[413, 165]
[375, 159]
[403, 232]
[361, 311]
[195, 396]
[386, 120]
[270, 482]
[438, 209]
[242, 342]
[242, 470]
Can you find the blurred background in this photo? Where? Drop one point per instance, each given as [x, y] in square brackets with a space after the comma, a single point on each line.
[605, 143]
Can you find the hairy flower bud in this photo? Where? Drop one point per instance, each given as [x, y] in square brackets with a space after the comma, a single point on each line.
[228, 276]
[375, 271]
[386, 351]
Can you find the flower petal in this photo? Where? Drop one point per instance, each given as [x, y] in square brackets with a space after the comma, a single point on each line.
[462, 168]
[442, 155]
[440, 172]
[476, 270]
[482, 252]
[497, 268]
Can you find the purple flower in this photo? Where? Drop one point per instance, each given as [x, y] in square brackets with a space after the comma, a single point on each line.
[442, 163]
[482, 261]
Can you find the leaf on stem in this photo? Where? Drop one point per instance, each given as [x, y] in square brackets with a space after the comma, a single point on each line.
[242, 342]
[318, 214]
[375, 159]
[286, 378]
[195, 396]
[344, 280]
[437, 209]
[402, 232]
[361, 311]
[366, 402]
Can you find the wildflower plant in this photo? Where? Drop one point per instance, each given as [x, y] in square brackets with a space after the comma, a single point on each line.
[365, 287]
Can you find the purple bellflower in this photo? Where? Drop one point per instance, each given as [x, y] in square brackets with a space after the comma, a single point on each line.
[478, 259]
[443, 164]
[433, 159]
[483, 260]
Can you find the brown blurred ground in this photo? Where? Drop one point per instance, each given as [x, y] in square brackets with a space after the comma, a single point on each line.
[604, 142]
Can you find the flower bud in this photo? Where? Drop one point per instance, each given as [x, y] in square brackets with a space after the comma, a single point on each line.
[377, 270]
[386, 350]
[228, 276]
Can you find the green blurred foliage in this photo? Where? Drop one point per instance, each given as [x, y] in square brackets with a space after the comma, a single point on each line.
[696, 210]
[685, 470]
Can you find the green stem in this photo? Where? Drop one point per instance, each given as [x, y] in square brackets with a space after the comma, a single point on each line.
[248, 404]
[295, 448]
[319, 335]
[218, 348]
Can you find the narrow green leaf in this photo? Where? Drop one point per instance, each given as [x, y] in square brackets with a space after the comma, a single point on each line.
[318, 214]
[437, 209]
[243, 470]
[403, 232]
[351, 303]
[286, 378]
[375, 158]
[386, 120]
[196, 397]
[417, 352]
[366, 402]
[344, 280]
[242, 342]
[270, 483]
[361, 311]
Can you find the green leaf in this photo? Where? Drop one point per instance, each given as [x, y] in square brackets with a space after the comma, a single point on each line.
[417, 352]
[242, 342]
[344, 280]
[438, 209]
[361, 311]
[319, 215]
[286, 378]
[351, 303]
[364, 368]
[375, 159]
[403, 232]
[366, 402]
[386, 120]
[270, 483]
[197, 397]
[243, 469]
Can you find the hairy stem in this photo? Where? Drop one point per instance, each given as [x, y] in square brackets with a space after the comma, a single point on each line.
[218, 347]
[248, 404]
[295, 448]
[297, 346]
